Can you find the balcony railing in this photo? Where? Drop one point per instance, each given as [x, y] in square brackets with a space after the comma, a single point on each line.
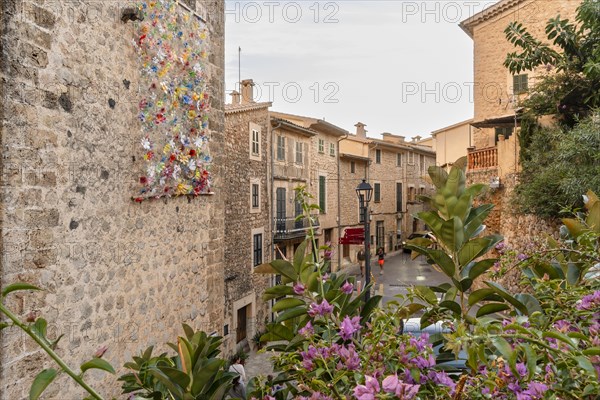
[289, 228]
[483, 158]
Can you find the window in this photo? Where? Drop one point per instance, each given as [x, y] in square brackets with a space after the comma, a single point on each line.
[506, 131]
[322, 194]
[520, 83]
[422, 163]
[352, 167]
[321, 146]
[255, 192]
[411, 158]
[377, 156]
[332, 149]
[257, 247]
[281, 148]
[399, 197]
[377, 192]
[299, 157]
[421, 191]
[412, 194]
[399, 159]
[255, 142]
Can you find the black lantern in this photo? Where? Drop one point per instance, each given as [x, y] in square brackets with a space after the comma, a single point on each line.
[364, 192]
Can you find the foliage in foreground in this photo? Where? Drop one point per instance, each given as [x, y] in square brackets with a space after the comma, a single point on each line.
[544, 345]
[559, 164]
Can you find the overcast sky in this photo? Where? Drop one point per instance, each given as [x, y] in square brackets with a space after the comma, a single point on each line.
[403, 67]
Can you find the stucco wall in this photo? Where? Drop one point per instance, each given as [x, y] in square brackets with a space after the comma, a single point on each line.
[114, 272]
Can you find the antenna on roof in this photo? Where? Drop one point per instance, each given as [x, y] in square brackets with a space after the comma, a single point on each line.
[240, 67]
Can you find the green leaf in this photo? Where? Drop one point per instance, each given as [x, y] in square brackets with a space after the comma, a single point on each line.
[287, 303]
[506, 351]
[97, 363]
[291, 313]
[531, 360]
[575, 227]
[592, 351]
[312, 282]
[506, 296]
[175, 390]
[452, 306]
[559, 336]
[299, 256]
[452, 234]
[432, 220]
[531, 303]
[409, 310]
[477, 247]
[438, 257]
[264, 269]
[278, 291]
[480, 267]
[368, 308]
[476, 218]
[465, 284]
[456, 180]
[278, 332]
[185, 349]
[189, 332]
[573, 274]
[491, 308]
[18, 286]
[463, 206]
[483, 294]
[586, 365]
[4, 325]
[41, 382]
[285, 268]
[426, 294]
[438, 175]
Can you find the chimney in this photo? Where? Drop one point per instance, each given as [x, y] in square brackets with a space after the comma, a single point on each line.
[360, 130]
[417, 138]
[235, 97]
[247, 91]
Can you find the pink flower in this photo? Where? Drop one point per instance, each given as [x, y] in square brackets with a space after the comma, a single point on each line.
[406, 391]
[308, 330]
[100, 352]
[299, 288]
[390, 383]
[320, 309]
[368, 390]
[349, 326]
[347, 288]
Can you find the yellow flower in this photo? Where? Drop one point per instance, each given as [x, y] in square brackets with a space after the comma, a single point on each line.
[167, 148]
[192, 114]
[182, 189]
[183, 158]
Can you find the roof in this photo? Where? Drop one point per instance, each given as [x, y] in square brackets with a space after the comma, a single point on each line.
[497, 9]
[242, 107]
[465, 122]
[278, 122]
[354, 157]
[319, 125]
[504, 120]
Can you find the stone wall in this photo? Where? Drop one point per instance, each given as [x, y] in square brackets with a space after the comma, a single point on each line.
[241, 219]
[114, 272]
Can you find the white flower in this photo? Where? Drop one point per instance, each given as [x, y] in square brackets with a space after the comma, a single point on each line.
[146, 143]
[192, 164]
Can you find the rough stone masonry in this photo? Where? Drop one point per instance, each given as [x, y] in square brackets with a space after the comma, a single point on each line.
[114, 272]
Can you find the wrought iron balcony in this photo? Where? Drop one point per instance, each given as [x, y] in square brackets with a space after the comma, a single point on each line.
[289, 228]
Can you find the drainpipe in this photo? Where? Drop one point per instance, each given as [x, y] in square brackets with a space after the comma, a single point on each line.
[339, 217]
[271, 224]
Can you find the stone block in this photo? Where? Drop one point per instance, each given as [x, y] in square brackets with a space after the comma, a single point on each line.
[41, 218]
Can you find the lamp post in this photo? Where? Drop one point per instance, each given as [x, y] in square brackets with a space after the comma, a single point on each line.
[364, 192]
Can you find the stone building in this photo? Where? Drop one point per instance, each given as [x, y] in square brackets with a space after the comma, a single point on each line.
[115, 272]
[397, 173]
[494, 152]
[396, 170]
[306, 152]
[451, 143]
[248, 240]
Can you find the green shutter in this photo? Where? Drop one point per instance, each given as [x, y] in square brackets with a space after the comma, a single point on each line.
[322, 193]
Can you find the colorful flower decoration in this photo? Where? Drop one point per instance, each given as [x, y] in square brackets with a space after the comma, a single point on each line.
[172, 46]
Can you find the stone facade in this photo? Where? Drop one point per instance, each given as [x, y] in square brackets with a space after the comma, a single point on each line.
[114, 272]
[247, 214]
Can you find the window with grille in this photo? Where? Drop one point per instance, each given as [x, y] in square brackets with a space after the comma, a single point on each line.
[520, 83]
[257, 249]
[506, 131]
[377, 156]
[322, 194]
[299, 155]
[281, 148]
[352, 167]
[377, 192]
[398, 197]
[399, 159]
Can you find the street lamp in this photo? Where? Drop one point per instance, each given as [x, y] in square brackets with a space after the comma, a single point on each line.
[364, 192]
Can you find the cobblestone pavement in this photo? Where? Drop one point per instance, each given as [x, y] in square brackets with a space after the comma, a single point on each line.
[258, 364]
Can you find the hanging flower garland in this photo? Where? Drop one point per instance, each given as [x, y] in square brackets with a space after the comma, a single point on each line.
[173, 109]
